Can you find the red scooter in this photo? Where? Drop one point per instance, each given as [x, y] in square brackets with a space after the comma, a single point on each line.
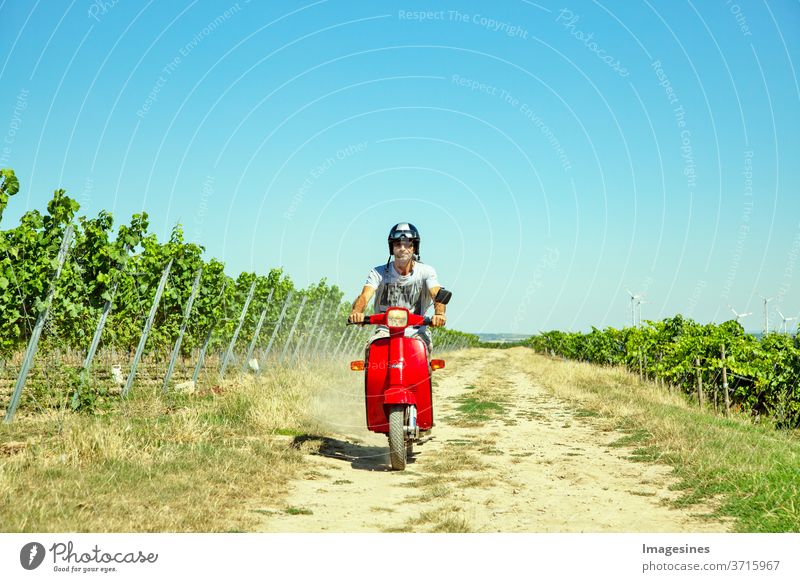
[398, 382]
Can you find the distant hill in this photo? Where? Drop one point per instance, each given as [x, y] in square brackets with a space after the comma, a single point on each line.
[512, 337]
[503, 337]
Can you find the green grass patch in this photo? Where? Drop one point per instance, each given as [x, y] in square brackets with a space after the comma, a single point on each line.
[649, 454]
[288, 432]
[460, 442]
[298, 511]
[474, 406]
[474, 410]
[636, 437]
[583, 413]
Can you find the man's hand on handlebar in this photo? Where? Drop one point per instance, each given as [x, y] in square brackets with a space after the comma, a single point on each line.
[438, 320]
[356, 317]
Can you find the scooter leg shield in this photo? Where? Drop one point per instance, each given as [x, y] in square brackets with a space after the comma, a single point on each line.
[416, 387]
[417, 379]
[376, 382]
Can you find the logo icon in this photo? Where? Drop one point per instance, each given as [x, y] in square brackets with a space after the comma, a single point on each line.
[31, 555]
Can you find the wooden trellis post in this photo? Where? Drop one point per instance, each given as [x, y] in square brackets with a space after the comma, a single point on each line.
[641, 377]
[314, 329]
[278, 324]
[254, 339]
[98, 332]
[202, 356]
[146, 331]
[725, 384]
[176, 350]
[339, 343]
[294, 326]
[700, 398]
[37, 328]
[229, 353]
[315, 350]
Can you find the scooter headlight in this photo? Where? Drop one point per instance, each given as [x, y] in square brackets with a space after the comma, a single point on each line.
[396, 318]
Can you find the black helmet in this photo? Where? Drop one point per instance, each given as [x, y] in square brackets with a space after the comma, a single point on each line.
[404, 230]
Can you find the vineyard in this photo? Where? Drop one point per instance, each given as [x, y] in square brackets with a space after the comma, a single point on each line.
[718, 365]
[153, 392]
[87, 313]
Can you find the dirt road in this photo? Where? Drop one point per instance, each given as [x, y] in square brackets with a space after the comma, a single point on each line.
[504, 456]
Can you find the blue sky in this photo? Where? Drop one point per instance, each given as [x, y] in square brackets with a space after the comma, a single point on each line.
[553, 155]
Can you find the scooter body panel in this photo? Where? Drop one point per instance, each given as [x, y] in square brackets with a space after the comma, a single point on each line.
[383, 388]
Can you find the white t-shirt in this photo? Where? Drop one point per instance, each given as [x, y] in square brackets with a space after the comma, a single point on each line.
[411, 291]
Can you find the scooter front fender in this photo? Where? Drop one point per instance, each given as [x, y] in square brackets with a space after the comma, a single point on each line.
[399, 395]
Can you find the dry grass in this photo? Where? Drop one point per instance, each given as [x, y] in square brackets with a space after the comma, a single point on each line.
[446, 519]
[160, 462]
[442, 519]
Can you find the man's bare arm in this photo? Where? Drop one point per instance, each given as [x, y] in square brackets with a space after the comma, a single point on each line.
[360, 304]
[439, 309]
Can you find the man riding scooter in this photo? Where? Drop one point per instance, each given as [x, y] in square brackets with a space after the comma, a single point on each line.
[404, 281]
[398, 363]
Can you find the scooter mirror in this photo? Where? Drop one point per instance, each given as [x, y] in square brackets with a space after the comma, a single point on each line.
[443, 296]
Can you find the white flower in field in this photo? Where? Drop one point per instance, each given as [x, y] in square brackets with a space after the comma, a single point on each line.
[253, 365]
[116, 373]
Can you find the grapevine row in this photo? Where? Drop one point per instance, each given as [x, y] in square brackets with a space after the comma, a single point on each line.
[119, 271]
[763, 374]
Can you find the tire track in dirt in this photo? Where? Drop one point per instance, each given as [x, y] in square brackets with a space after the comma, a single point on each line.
[537, 466]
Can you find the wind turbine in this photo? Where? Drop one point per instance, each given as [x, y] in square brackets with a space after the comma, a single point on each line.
[640, 310]
[785, 319]
[766, 317]
[739, 315]
[634, 299]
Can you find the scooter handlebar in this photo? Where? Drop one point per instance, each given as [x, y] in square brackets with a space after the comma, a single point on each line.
[368, 322]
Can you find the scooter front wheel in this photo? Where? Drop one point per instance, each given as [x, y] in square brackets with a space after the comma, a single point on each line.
[397, 445]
